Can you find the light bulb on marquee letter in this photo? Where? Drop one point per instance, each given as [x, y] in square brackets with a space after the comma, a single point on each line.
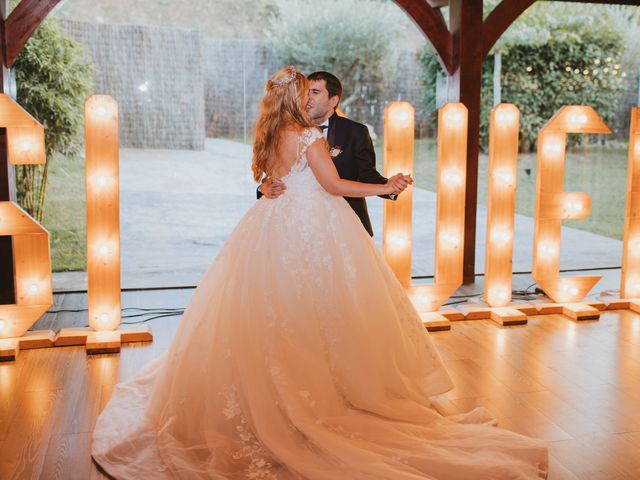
[553, 204]
[503, 161]
[103, 222]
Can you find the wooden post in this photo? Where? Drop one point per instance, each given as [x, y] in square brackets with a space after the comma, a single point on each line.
[464, 86]
[7, 185]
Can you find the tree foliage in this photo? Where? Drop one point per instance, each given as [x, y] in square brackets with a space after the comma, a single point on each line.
[53, 79]
[553, 55]
[350, 38]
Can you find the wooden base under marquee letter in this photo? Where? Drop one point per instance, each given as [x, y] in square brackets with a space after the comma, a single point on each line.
[9, 347]
[103, 341]
[580, 311]
[509, 315]
[435, 321]
[614, 302]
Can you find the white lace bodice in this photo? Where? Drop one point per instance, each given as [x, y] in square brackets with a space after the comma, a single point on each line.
[300, 177]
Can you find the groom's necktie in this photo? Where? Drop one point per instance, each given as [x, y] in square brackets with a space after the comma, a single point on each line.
[324, 130]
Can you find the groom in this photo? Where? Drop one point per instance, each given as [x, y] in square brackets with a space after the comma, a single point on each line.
[350, 145]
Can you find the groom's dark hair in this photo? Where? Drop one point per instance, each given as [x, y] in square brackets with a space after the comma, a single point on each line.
[334, 87]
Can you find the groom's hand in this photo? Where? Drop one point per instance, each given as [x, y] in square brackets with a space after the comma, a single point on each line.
[272, 188]
[399, 182]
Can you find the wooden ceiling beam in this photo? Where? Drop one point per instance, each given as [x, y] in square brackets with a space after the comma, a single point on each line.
[499, 20]
[21, 23]
[431, 22]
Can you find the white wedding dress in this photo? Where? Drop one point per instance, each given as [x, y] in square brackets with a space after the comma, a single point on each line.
[300, 357]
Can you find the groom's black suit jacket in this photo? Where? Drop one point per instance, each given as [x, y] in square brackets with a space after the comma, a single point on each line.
[356, 160]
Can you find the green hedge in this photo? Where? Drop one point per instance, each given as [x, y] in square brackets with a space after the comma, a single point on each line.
[575, 62]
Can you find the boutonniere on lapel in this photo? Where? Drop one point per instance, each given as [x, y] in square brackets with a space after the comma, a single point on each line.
[335, 151]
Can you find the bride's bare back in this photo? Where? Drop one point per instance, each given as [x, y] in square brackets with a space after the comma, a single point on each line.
[287, 154]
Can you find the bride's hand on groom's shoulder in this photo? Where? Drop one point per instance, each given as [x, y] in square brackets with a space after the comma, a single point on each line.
[272, 188]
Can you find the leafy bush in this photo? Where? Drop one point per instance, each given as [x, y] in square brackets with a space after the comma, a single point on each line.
[350, 38]
[553, 56]
[53, 79]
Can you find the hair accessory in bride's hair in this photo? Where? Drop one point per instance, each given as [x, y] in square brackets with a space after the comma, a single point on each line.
[286, 80]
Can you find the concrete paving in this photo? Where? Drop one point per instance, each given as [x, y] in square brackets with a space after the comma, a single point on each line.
[178, 207]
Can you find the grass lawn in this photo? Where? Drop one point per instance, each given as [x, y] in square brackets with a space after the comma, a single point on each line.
[599, 171]
[64, 215]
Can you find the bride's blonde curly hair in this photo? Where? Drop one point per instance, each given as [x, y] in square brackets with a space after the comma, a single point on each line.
[281, 107]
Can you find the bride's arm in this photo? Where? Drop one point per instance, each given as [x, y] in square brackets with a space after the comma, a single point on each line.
[325, 172]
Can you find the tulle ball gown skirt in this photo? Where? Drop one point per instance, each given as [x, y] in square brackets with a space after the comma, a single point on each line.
[300, 357]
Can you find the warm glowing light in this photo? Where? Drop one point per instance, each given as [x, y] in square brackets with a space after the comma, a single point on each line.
[104, 317]
[26, 145]
[454, 117]
[101, 111]
[423, 300]
[399, 115]
[636, 148]
[33, 288]
[500, 236]
[102, 180]
[499, 294]
[634, 245]
[574, 208]
[452, 177]
[570, 289]
[578, 119]
[103, 250]
[3, 324]
[398, 241]
[504, 177]
[505, 116]
[547, 249]
[552, 147]
[450, 239]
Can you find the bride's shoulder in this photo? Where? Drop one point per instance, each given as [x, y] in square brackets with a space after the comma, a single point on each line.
[301, 135]
[310, 135]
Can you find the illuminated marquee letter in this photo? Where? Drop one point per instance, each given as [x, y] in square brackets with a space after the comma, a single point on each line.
[630, 282]
[503, 161]
[103, 222]
[103, 234]
[451, 176]
[553, 205]
[398, 157]
[32, 261]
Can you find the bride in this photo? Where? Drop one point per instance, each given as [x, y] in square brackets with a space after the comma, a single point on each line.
[299, 356]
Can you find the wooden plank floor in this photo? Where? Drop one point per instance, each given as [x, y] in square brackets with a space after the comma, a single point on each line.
[575, 385]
